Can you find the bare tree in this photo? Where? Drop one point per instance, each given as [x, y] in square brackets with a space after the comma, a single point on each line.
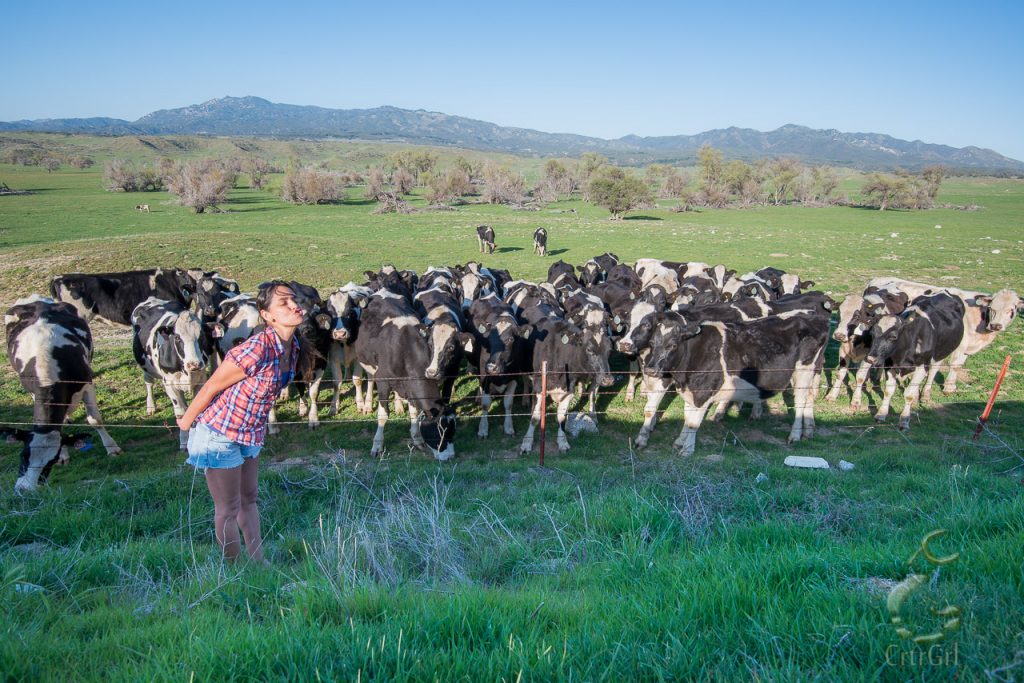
[402, 180]
[50, 164]
[119, 175]
[310, 185]
[674, 185]
[258, 169]
[200, 184]
[81, 162]
[376, 183]
[933, 177]
[502, 186]
[448, 187]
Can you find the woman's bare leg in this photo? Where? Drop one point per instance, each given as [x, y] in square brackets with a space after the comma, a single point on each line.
[225, 487]
[248, 512]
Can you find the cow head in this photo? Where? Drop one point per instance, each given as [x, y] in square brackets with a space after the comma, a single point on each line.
[345, 309]
[999, 309]
[668, 338]
[438, 430]
[498, 342]
[474, 285]
[179, 344]
[642, 319]
[884, 334]
[445, 343]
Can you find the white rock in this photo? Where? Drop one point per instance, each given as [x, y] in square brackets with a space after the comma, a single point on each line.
[995, 251]
[761, 478]
[845, 466]
[806, 461]
[894, 235]
[938, 227]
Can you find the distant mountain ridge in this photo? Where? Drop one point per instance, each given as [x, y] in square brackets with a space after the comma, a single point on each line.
[255, 116]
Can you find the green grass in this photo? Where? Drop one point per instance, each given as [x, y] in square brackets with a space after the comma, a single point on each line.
[608, 564]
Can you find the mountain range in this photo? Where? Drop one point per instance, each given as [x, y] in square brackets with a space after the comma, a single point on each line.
[254, 116]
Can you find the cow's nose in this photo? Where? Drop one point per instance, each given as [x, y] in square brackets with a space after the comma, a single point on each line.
[492, 368]
[340, 335]
[996, 327]
[626, 347]
[839, 336]
[606, 381]
[431, 373]
[871, 360]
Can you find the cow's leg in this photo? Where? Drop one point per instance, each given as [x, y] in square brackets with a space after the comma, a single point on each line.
[839, 376]
[693, 416]
[933, 369]
[656, 390]
[803, 403]
[334, 360]
[92, 416]
[485, 404]
[721, 408]
[956, 361]
[357, 382]
[367, 405]
[757, 409]
[382, 419]
[414, 429]
[177, 395]
[400, 405]
[634, 370]
[149, 380]
[592, 401]
[510, 397]
[314, 389]
[526, 398]
[890, 389]
[480, 241]
[538, 406]
[858, 386]
[912, 394]
[563, 399]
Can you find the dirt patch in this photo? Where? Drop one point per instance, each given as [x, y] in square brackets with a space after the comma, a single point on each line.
[876, 586]
[756, 435]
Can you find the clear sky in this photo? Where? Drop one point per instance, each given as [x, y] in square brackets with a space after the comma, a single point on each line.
[942, 72]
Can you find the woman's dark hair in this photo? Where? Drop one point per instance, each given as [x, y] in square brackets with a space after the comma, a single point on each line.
[305, 363]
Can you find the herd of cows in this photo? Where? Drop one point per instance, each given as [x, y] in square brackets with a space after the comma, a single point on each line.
[701, 330]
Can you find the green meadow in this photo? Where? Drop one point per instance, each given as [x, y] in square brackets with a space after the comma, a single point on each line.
[607, 563]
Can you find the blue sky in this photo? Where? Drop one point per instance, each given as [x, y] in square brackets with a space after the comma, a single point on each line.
[942, 72]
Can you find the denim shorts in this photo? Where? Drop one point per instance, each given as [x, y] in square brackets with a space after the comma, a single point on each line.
[207, 448]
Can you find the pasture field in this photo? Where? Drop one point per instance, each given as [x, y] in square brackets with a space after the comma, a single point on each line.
[607, 564]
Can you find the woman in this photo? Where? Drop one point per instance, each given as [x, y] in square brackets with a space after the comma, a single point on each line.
[232, 410]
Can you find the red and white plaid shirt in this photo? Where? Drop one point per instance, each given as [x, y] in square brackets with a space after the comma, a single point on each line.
[240, 412]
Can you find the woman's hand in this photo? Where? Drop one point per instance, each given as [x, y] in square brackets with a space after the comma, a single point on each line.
[183, 424]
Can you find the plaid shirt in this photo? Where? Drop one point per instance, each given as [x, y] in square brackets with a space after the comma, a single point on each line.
[240, 412]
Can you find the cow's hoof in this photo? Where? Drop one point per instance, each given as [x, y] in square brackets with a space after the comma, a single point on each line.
[684, 453]
[332, 412]
[628, 398]
[640, 444]
[855, 403]
[904, 426]
[150, 411]
[949, 391]
[116, 450]
[314, 425]
[183, 447]
[509, 431]
[880, 418]
[563, 448]
[831, 398]
[524, 449]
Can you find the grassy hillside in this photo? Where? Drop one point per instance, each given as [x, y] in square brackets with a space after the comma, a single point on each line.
[608, 564]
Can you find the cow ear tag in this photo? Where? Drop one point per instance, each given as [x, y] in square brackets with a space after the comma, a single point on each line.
[617, 320]
[363, 302]
[481, 328]
[632, 296]
[565, 339]
[828, 305]
[423, 332]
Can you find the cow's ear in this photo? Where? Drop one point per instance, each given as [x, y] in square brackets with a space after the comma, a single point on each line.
[632, 296]
[689, 330]
[216, 330]
[1020, 307]
[482, 328]
[466, 340]
[525, 331]
[983, 300]
[728, 274]
[806, 284]
[233, 287]
[323, 321]
[186, 293]
[904, 299]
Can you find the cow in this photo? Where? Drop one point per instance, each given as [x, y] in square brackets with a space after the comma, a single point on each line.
[442, 315]
[857, 315]
[572, 355]
[618, 301]
[315, 333]
[985, 316]
[111, 297]
[915, 343]
[167, 345]
[563, 275]
[540, 242]
[498, 348]
[710, 362]
[624, 274]
[345, 307]
[485, 236]
[697, 290]
[663, 274]
[392, 347]
[635, 341]
[142, 207]
[596, 269]
[50, 348]
[211, 290]
[587, 311]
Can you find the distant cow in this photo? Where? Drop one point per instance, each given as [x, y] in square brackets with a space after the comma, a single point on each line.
[540, 242]
[915, 343]
[50, 348]
[485, 236]
[167, 345]
[111, 297]
[142, 207]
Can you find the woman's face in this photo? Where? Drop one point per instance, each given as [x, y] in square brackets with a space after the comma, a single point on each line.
[282, 309]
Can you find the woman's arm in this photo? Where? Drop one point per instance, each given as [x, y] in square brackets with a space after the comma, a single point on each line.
[227, 374]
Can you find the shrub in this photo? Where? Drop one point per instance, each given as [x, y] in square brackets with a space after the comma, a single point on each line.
[200, 184]
[310, 186]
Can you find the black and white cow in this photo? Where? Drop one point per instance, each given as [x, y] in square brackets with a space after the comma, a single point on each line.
[393, 348]
[915, 343]
[624, 274]
[485, 236]
[167, 345]
[111, 297]
[345, 307]
[858, 314]
[563, 276]
[572, 356]
[315, 331]
[441, 313]
[596, 269]
[540, 242]
[749, 361]
[636, 340]
[499, 350]
[50, 348]
[655, 272]
[985, 316]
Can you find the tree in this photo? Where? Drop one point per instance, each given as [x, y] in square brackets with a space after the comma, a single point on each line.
[50, 164]
[884, 191]
[782, 173]
[376, 183]
[735, 175]
[200, 184]
[619, 192]
[470, 168]
[675, 184]
[310, 185]
[448, 187]
[258, 169]
[119, 175]
[80, 162]
[933, 177]
[502, 186]
[710, 162]
[558, 178]
[825, 181]
[402, 180]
